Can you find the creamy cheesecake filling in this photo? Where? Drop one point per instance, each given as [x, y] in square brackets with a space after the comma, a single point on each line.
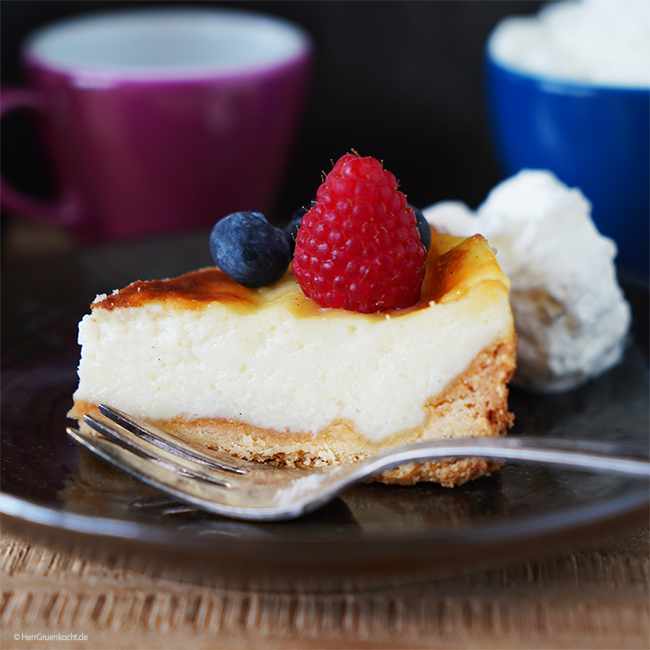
[272, 359]
[267, 367]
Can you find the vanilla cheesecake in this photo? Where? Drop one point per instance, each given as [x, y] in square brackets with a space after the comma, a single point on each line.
[267, 375]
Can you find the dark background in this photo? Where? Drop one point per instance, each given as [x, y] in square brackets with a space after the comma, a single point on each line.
[400, 80]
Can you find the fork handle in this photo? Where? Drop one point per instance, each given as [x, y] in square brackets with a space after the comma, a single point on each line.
[594, 455]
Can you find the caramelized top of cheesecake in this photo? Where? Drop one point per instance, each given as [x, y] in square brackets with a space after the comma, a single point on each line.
[192, 289]
[453, 266]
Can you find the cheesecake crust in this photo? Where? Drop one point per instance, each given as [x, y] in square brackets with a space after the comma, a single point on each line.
[474, 404]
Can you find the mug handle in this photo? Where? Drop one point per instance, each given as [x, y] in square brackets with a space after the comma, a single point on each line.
[66, 210]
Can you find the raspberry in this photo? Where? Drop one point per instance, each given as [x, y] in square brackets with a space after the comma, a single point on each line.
[358, 248]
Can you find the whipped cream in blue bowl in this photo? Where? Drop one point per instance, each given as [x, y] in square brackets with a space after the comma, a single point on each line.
[568, 90]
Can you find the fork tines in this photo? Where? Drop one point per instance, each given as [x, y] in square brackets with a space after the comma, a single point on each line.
[163, 440]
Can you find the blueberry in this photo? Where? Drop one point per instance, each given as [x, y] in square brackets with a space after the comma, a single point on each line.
[423, 227]
[246, 247]
[294, 224]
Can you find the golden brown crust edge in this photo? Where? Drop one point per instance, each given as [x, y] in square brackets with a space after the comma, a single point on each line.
[473, 405]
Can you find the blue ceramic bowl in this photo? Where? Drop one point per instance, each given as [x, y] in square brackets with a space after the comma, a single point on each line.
[591, 137]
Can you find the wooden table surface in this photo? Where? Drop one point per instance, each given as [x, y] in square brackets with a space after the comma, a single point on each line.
[593, 596]
[590, 597]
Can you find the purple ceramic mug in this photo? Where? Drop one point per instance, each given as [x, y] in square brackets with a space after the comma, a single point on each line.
[160, 120]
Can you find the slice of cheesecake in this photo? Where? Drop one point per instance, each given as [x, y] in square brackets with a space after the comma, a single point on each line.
[267, 375]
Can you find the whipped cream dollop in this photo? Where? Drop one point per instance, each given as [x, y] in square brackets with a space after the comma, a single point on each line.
[603, 42]
[570, 313]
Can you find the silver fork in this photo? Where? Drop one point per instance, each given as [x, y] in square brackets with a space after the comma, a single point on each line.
[239, 489]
